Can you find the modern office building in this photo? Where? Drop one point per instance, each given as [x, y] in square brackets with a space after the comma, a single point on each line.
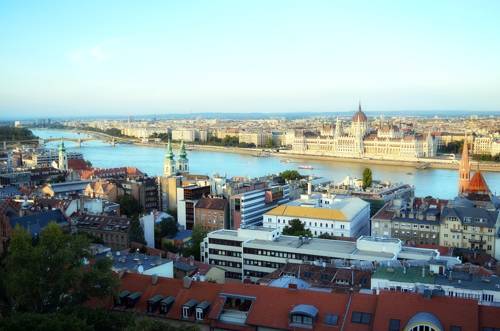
[247, 208]
[255, 252]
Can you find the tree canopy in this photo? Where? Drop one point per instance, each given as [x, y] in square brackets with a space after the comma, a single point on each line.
[296, 228]
[290, 175]
[136, 232]
[47, 274]
[199, 233]
[367, 178]
[166, 228]
[129, 206]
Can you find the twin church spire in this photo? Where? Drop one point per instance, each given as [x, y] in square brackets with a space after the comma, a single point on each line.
[172, 167]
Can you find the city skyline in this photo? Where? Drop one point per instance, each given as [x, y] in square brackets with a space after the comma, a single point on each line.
[91, 58]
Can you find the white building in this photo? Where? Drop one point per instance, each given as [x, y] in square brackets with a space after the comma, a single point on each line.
[335, 216]
[189, 135]
[148, 222]
[255, 252]
[359, 140]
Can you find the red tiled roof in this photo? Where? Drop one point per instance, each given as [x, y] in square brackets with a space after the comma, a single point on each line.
[272, 306]
[489, 317]
[77, 164]
[403, 306]
[477, 184]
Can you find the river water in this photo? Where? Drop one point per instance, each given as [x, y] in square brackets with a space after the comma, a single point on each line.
[442, 183]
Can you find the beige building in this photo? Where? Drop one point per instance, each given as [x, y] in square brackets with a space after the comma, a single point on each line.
[103, 189]
[212, 213]
[256, 138]
[469, 227]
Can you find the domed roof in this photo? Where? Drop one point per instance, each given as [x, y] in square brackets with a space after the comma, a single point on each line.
[477, 184]
[359, 116]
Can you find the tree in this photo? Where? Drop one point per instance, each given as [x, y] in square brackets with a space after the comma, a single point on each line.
[136, 232]
[199, 233]
[166, 228]
[290, 175]
[296, 228]
[129, 205]
[367, 178]
[47, 274]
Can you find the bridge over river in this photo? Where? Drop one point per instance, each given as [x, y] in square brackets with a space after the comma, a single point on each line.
[89, 136]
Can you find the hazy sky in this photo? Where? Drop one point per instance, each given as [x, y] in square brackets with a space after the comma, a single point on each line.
[143, 57]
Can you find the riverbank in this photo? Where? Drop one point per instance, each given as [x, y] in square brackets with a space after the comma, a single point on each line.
[286, 154]
[424, 163]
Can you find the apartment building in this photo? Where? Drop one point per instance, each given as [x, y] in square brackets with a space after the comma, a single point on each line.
[470, 227]
[212, 213]
[187, 197]
[257, 138]
[189, 135]
[145, 191]
[339, 216]
[112, 230]
[413, 221]
[255, 252]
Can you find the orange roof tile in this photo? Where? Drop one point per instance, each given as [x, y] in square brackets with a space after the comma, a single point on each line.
[477, 184]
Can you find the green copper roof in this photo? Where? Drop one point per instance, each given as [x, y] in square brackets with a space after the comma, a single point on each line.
[182, 153]
[61, 146]
[170, 153]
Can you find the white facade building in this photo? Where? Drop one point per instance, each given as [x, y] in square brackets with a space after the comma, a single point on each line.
[255, 252]
[335, 216]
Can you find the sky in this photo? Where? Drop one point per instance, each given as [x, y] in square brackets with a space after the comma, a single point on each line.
[69, 58]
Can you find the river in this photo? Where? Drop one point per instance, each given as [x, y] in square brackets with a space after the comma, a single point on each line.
[442, 183]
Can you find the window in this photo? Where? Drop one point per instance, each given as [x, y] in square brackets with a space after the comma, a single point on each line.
[361, 318]
[455, 328]
[185, 312]
[394, 325]
[199, 314]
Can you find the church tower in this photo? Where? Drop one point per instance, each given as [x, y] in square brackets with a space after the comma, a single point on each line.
[183, 162]
[63, 157]
[464, 170]
[169, 162]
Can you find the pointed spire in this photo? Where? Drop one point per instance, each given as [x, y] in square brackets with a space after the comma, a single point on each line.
[359, 105]
[182, 153]
[61, 146]
[170, 153]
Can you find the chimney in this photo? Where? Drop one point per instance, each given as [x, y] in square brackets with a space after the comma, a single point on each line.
[309, 188]
[154, 279]
[186, 282]
[450, 277]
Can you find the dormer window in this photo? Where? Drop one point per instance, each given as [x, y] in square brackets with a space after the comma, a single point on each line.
[303, 316]
[188, 308]
[202, 309]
